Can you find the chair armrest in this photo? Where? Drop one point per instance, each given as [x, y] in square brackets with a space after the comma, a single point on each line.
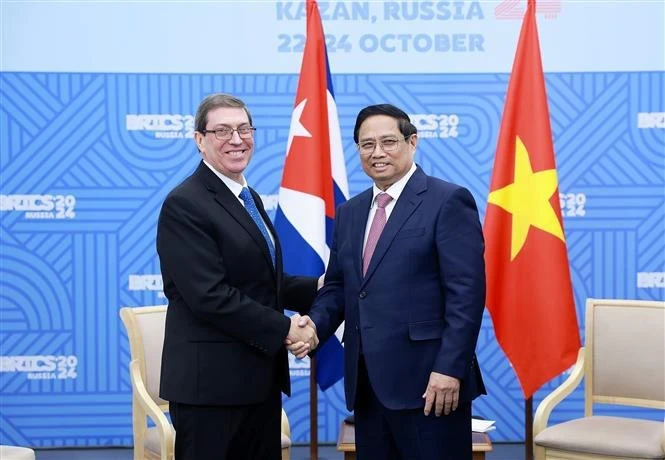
[547, 405]
[286, 429]
[166, 431]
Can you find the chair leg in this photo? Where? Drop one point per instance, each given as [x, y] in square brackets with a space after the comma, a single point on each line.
[538, 452]
[139, 429]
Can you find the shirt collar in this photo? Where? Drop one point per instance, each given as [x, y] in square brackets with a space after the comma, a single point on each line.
[235, 187]
[396, 189]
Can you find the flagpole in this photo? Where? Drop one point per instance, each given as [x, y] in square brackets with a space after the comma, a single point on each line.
[528, 429]
[313, 411]
[525, 140]
[314, 149]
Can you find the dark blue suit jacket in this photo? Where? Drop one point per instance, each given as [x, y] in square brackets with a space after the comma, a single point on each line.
[420, 306]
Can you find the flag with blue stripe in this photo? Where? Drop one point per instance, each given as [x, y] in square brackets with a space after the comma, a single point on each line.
[314, 181]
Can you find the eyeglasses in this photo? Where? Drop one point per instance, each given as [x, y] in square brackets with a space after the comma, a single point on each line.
[388, 145]
[225, 133]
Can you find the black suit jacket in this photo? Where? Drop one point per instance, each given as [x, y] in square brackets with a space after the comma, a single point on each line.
[225, 325]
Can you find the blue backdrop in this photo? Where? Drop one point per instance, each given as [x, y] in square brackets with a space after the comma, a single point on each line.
[86, 158]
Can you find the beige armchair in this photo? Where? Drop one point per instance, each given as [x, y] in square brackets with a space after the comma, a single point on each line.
[286, 437]
[145, 329]
[622, 363]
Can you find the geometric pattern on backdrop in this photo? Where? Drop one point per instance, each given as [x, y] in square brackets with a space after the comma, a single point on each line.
[86, 160]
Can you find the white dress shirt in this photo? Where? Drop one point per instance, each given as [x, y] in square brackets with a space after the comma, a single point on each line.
[236, 188]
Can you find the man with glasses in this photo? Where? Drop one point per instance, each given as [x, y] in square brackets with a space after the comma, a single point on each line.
[406, 272]
[224, 362]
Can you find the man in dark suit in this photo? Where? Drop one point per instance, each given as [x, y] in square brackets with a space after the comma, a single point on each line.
[407, 273]
[224, 362]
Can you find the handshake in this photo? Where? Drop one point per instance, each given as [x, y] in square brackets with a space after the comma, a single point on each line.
[302, 336]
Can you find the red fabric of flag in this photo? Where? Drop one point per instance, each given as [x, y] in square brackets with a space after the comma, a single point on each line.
[529, 291]
[309, 140]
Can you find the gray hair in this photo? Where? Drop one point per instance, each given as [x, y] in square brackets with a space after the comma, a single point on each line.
[213, 102]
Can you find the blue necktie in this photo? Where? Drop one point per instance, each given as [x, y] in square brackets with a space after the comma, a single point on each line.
[253, 211]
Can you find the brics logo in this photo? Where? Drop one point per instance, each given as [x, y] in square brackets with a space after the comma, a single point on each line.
[164, 126]
[430, 125]
[147, 283]
[41, 367]
[299, 367]
[647, 280]
[651, 120]
[38, 206]
[572, 204]
[515, 9]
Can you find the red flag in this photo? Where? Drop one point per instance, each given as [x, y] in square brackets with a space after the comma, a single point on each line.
[309, 146]
[314, 181]
[529, 292]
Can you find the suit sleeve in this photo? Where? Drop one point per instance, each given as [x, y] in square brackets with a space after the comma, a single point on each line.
[460, 247]
[190, 257]
[328, 309]
[299, 293]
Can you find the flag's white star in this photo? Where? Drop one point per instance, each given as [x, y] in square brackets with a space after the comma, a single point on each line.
[297, 128]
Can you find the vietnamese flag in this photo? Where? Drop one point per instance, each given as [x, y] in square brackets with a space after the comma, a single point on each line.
[529, 292]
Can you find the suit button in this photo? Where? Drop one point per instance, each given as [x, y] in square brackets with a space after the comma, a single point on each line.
[362, 294]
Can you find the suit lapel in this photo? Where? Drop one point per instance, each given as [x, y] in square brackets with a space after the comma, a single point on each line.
[358, 224]
[232, 205]
[273, 232]
[406, 204]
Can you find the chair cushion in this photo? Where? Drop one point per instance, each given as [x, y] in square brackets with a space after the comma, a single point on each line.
[286, 442]
[16, 453]
[601, 435]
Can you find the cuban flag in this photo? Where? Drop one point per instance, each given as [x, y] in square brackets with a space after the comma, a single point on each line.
[314, 181]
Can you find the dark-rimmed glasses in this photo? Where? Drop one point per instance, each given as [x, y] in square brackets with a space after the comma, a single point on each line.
[225, 133]
[388, 145]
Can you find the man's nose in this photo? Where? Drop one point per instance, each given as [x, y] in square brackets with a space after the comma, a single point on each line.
[235, 138]
[378, 152]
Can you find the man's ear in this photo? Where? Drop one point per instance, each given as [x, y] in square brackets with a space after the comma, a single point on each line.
[413, 140]
[198, 139]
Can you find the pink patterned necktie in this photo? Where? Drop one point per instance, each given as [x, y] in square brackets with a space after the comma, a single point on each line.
[379, 221]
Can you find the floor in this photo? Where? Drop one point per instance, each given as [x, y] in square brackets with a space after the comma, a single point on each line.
[327, 452]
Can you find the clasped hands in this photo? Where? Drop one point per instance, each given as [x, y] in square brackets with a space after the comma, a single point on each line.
[302, 336]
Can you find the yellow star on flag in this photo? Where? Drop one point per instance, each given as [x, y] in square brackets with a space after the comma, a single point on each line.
[528, 200]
